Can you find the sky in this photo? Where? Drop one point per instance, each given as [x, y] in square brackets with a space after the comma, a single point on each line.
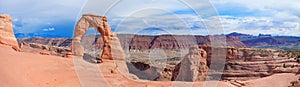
[57, 18]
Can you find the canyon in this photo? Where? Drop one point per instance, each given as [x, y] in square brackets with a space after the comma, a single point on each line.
[240, 62]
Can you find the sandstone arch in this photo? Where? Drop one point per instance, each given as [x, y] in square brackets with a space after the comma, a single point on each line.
[111, 48]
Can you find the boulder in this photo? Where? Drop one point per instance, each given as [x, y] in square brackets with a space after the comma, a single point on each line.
[7, 36]
[44, 53]
[68, 55]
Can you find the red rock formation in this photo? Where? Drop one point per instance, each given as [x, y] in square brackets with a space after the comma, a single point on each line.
[44, 53]
[172, 42]
[68, 55]
[138, 42]
[7, 36]
[111, 48]
[193, 67]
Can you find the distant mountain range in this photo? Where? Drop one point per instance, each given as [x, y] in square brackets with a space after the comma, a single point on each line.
[238, 34]
[268, 41]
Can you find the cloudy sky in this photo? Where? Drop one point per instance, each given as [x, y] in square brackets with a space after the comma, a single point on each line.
[200, 17]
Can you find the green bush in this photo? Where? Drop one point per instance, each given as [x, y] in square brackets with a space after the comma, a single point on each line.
[298, 60]
[284, 65]
[293, 53]
[293, 83]
[292, 66]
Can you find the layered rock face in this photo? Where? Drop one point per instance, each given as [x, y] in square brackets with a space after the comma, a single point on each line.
[139, 42]
[58, 42]
[7, 36]
[173, 42]
[248, 63]
[111, 47]
[193, 67]
[254, 63]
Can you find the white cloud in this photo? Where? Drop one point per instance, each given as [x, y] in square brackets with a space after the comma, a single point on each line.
[181, 24]
[13, 26]
[280, 10]
[49, 29]
[124, 8]
[256, 25]
[191, 24]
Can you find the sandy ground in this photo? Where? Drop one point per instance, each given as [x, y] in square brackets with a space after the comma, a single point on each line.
[277, 80]
[19, 69]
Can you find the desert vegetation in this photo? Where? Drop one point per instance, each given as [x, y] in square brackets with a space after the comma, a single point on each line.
[295, 83]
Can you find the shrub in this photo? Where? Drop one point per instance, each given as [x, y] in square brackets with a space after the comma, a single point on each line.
[281, 55]
[293, 83]
[284, 65]
[292, 66]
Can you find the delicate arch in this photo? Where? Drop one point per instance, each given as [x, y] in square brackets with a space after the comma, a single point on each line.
[111, 42]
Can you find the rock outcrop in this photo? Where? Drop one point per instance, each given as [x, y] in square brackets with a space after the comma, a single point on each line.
[68, 55]
[45, 49]
[111, 48]
[193, 67]
[44, 53]
[7, 36]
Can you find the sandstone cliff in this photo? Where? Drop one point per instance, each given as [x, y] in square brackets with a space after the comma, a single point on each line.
[7, 36]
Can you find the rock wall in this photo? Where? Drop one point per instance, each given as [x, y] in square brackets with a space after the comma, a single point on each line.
[138, 42]
[7, 36]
